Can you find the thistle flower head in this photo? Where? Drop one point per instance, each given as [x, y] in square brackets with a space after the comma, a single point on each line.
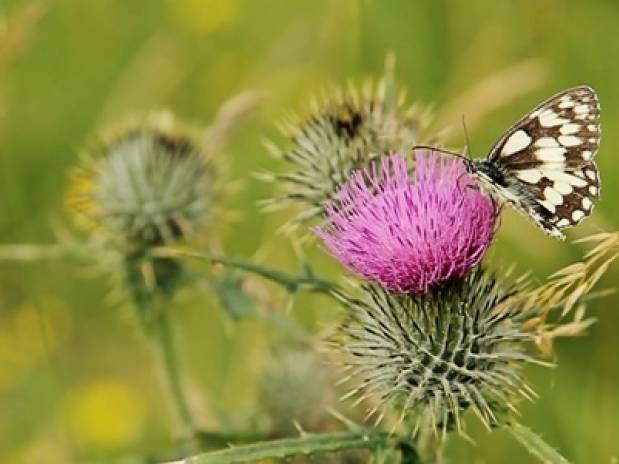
[147, 185]
[410, 232]
[433, 358]
[345, 132]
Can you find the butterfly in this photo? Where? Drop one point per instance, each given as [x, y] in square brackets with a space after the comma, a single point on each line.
[543, 165]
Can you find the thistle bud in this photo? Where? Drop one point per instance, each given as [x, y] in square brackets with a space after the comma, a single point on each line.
[431, 358]
[147, 185]
[345, 132]
[296, 387]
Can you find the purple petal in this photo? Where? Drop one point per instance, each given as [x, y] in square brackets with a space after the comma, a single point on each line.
[410, 232]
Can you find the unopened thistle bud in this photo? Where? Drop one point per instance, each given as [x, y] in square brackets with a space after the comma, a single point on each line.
[297, 387]
[147, 185]
[343, 133]
[431, 358]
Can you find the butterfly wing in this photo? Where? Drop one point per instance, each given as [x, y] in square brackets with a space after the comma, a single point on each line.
[547, 158]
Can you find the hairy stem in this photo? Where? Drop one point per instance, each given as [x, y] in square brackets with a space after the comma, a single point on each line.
[305, 445]
[163, 340]
[28, 253]
[291, 282]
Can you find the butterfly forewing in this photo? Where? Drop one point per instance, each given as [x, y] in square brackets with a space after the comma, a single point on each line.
[548, 157]
[562, 132]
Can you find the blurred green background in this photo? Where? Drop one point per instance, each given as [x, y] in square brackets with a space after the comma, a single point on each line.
[75, 379]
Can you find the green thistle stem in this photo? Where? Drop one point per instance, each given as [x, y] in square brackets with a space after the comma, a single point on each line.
[25, 252]
[163, 341]
[290, 282]
[305, 445]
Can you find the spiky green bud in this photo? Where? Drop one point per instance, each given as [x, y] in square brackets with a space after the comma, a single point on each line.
[346, 131]
[434, 357]
[146, 185]
[297, 387]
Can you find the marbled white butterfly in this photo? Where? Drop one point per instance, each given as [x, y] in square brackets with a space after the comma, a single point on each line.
[543, 165]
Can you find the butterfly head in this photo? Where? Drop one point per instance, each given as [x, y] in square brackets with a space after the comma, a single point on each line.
[469, 165]
[486, 171]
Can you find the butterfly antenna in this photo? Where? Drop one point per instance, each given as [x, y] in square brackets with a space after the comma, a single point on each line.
[440, 150]
[466, 137]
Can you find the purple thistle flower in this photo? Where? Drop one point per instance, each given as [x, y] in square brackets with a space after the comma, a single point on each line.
[410, 232]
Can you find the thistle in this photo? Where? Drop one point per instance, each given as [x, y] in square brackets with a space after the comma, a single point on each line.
[344, 132]
[143, 186]
[146, 185]
[410, 232]
[296, 389]
[434, 357]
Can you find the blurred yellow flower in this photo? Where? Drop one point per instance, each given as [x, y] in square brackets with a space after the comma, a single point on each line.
[106, 414]
[204, 16]
[41, 449]
[28, 336]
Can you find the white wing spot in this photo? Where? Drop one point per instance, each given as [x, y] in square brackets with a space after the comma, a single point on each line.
[570, 140]
[581, 109]
[593, 190]
[553, 196]
[560, 176]
[518, 141]
[566, 102]
[530, 176]
[593, 140]
[563, 223]
[549, 206]
[567, 129]
[577, 215]
[563, 187]
[535, 114]
[551, 154]
[550, 119]
[586, 203]
[592, 128]
[590, 173]
[586, 155]
[546, 142]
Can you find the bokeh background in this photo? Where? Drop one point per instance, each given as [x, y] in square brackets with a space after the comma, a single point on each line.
[75, 380]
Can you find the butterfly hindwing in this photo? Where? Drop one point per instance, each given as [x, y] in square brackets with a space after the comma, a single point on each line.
[547, 159]
[554, 209]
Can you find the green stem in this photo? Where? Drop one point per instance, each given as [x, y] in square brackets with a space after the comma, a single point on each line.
[162, 336]
[291, 282]
[535, 444]
[28, 253]
[308, 444]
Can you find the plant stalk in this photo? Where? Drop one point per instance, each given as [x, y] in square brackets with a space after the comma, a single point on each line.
[291, 282]
[163, 340]
[288, 447]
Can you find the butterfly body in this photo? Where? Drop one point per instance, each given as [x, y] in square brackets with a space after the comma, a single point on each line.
[543, 165]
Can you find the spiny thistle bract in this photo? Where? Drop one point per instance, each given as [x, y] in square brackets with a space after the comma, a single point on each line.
[433, 357]
[146, 185]
[410, 232]
[344, 132]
